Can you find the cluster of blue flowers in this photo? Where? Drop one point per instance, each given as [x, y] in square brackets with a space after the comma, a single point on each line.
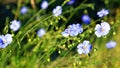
[15, 24]
[7, 39]
[73, 30]
[57, 11]
[101, 29]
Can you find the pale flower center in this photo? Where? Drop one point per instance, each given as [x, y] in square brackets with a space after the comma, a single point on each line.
[4, 41]
[102, 29]
[84, 47]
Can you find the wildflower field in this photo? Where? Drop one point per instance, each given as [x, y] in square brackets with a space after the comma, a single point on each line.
[59, 33]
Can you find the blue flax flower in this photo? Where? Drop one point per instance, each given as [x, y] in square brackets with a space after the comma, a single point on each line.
[71, 2]
[86, 19]
[111, 44]
[24, 10]
[84, 48]
[102, 13]
[15, 25]
[44, 5]
[102, 30]
[41, 32]
[75, 29]
[72, 30]
[57, 11]
[66, 33]
[5, 40]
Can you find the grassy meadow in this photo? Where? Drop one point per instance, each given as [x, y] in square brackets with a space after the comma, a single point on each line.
[51, 49]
